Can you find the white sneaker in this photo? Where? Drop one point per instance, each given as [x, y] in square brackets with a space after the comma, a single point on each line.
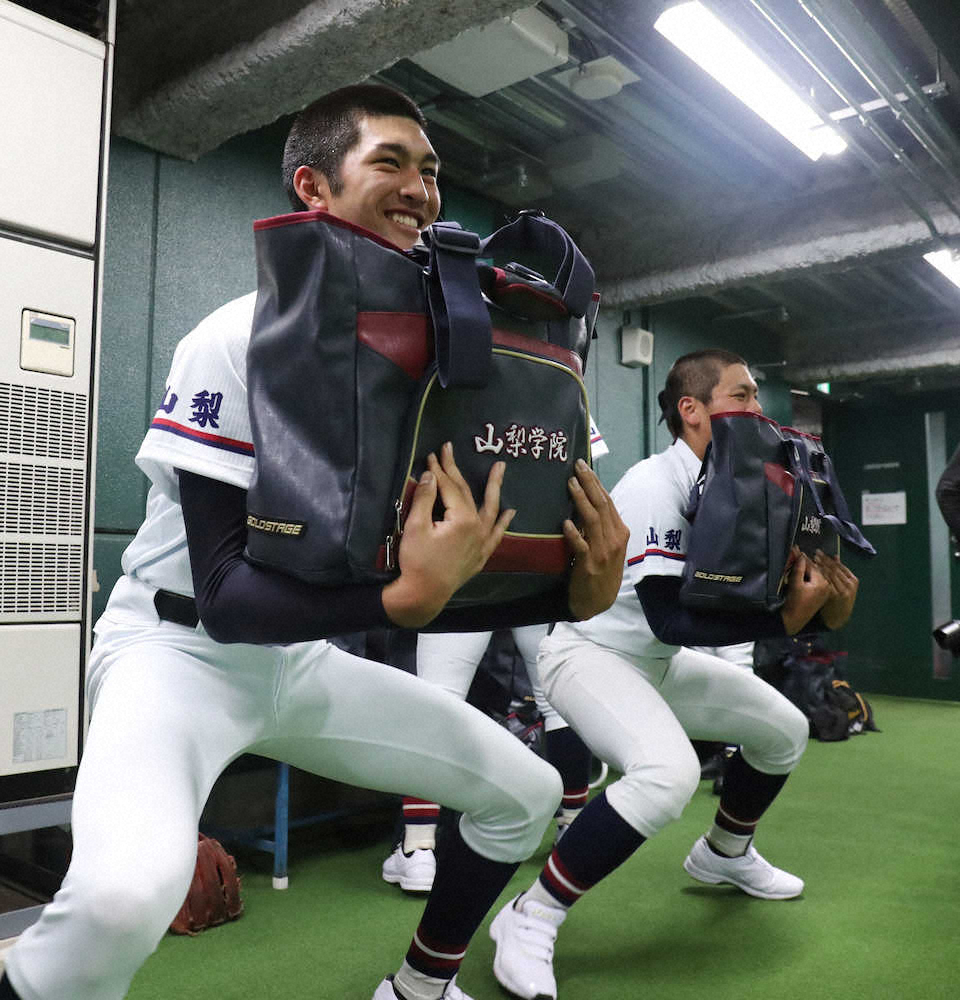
[523, 963]
[385, 991]
[413, 872]
[751, 873]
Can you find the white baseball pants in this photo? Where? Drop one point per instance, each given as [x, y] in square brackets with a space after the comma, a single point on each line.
[171, 708]
[639, 714]
[451, 660]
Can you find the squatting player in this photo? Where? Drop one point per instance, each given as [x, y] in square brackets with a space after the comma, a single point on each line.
[637, 699]
[200, 656]
[451, 660]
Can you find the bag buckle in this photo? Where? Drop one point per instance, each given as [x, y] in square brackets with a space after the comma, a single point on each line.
[449, 236]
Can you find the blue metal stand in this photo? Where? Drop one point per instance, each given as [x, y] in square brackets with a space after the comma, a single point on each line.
[274, 839]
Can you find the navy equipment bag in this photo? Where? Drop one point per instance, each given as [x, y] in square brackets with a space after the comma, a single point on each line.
[762, 489]
[364, 358]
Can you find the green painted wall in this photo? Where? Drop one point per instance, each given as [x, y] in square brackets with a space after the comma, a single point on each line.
[879, 445]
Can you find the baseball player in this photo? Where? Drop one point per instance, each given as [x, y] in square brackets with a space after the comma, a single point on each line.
[201, 656]
[451, 660]
[637, 699]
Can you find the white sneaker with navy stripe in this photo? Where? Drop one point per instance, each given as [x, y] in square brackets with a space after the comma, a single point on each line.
[751, 873]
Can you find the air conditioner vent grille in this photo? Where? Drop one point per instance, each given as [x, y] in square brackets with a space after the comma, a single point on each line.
[40, 578]
[45, 423]
[41, 500]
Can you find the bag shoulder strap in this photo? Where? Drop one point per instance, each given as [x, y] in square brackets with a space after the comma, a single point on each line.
[532, 233]
[841, 521]
[461, 322]
[696, 491]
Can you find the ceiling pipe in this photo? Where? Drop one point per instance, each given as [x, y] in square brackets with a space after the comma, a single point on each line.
[862, 46]
[765, 8]
[908, 364]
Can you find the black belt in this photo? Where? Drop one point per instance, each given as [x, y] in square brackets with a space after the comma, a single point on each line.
[176, 608]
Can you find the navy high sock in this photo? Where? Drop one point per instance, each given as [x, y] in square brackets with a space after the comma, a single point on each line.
[465, 887]
[598, 841]
[747, 793]
[572, 758]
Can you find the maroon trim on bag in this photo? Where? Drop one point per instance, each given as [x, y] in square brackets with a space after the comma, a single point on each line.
[793, 430]
[743, 413]
[316, 215]
[404, 338]
[401, 337]
[779, 476]
[550, 556]
[505, 287]
[529, 555]
[530, 345]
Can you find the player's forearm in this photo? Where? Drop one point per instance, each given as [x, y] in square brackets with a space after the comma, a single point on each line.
[240, 602]
[677, 625]
[948, 494]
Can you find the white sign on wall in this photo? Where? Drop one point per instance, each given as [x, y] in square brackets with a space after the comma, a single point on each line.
[884, 508]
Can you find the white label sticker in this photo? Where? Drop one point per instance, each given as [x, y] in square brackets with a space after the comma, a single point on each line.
[39, 735]
[885, 508]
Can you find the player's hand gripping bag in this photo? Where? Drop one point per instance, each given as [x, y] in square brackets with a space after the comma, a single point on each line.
[364, 359]
[762, 490]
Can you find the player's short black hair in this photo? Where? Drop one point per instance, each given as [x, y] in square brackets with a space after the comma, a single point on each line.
[326, 130]
[694, 375]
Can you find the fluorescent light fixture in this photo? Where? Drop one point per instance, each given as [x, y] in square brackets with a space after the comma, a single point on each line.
[699, 34]
[947, 262]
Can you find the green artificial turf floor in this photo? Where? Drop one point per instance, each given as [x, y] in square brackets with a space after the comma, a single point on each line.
[871, 824]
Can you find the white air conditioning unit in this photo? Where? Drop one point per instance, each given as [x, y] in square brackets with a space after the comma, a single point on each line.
[55, 111]
[636, 347]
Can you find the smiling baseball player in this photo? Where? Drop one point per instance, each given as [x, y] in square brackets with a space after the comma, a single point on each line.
[201, 656]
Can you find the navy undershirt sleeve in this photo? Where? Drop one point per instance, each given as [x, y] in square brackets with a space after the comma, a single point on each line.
[673, 623]
[240, 602]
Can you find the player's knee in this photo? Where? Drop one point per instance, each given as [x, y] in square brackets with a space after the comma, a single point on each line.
[654, 793]
[510, 826]
[134, 914]
[781, 745]
[537, 796]
[549, 792]
[796, 732]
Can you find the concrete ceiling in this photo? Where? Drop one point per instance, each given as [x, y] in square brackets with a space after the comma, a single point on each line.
[673, 188]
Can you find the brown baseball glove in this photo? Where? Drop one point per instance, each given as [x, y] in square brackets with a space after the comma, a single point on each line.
[214, 895]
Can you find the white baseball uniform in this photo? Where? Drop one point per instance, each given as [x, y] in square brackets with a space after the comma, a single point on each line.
[637, 701]
[171, 708]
